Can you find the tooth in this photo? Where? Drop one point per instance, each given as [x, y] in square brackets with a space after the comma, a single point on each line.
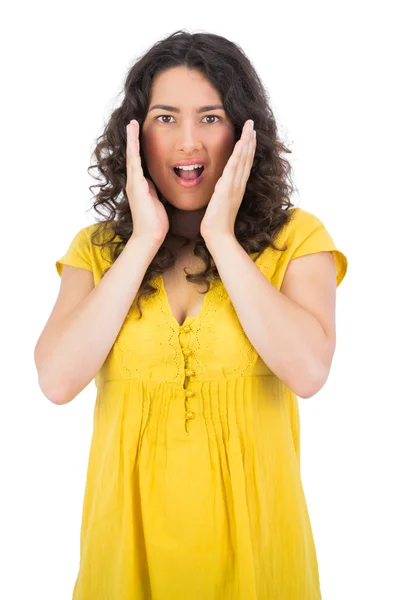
[189, 167]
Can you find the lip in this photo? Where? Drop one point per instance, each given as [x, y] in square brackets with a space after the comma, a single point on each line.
[189, 161]
[191, 183]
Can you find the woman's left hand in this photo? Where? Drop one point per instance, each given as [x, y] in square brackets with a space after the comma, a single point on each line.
[221, 212]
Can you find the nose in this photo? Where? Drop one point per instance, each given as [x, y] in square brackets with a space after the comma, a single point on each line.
[188, 138]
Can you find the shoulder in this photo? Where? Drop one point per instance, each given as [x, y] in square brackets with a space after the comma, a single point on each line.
[300, 223]
[303, 234]
[98, 234]
[100, 229]
[307, 235]
[85, 248]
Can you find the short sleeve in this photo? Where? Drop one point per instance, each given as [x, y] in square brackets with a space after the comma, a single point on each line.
[78, 253]
[310, 236]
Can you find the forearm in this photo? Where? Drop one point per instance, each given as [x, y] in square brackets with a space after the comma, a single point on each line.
[289, 339]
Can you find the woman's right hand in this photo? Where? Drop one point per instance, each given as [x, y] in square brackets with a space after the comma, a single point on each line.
[150, 219]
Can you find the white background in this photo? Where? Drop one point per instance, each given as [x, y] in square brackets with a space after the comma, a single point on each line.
[332, 78]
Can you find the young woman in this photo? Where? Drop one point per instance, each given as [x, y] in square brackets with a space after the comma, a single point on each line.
[193, 485]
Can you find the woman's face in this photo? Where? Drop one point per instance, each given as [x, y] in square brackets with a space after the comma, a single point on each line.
[185, 133]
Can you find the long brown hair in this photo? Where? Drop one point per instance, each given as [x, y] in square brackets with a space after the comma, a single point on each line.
[266, 202]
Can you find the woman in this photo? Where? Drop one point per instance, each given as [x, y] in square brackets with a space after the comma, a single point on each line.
[193, 486]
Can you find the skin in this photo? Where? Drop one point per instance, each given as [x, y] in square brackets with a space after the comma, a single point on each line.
[292, 329]
[187, 134]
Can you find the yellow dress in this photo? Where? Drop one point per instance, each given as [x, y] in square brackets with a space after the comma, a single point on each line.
[193, 485]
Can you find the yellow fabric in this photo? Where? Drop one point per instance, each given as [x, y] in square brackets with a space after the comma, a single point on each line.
[196, 497]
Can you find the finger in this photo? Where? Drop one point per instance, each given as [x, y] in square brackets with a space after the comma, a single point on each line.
[240, 170]
[233, 161]
[234, 168]
[134, 165]
[129, 150]
[251, 147]
[249, 153]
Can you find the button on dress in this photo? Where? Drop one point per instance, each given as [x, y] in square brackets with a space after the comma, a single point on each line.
[193, 487]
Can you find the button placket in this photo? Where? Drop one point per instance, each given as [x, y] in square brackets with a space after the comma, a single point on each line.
[189, 414]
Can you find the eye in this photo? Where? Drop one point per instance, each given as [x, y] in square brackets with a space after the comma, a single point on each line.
[206, 117]
[212, 117]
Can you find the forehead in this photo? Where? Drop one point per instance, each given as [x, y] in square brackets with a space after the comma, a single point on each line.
[181, 86]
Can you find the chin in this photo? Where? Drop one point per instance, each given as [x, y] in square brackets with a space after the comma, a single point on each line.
[186, 204]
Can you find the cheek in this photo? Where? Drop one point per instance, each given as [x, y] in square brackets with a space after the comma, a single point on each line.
[154, 150]
[224, 149]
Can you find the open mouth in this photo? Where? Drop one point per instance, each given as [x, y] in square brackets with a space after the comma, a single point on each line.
[189, 175]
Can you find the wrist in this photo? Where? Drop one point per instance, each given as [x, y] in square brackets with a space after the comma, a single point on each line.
[219, 239]
[144, 244]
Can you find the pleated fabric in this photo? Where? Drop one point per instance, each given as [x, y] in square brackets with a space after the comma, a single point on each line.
[193, 487]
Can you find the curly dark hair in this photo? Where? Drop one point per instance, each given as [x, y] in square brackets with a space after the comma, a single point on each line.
[266, 202]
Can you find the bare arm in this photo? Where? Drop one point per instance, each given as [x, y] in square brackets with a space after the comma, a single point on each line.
[293, 330]
[72, 350]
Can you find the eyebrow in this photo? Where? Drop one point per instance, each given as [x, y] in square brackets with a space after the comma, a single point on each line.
[199, 110]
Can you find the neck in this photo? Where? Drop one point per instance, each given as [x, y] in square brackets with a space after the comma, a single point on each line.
[185, 223]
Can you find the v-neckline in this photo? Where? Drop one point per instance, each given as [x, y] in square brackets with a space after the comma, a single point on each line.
[188, 318]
